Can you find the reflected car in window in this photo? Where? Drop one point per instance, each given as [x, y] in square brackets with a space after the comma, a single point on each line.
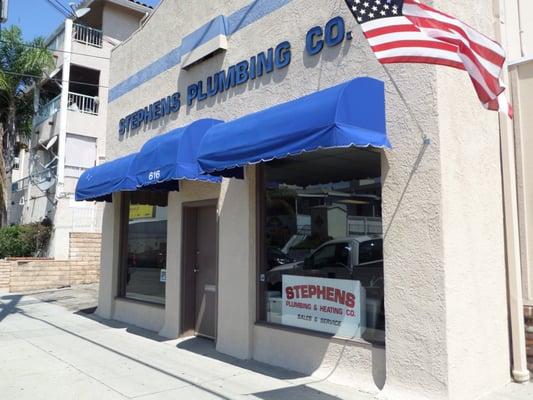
[359, 258]
[276, 257]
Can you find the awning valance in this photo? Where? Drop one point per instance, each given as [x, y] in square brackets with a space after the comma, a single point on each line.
[100, 182]
[172, 156]
[350, 114]
[162, 162]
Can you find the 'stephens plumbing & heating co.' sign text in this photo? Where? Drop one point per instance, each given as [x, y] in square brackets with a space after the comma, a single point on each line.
[275, 58]
[327, 305]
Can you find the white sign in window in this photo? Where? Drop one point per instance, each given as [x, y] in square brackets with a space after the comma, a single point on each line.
[335, 306]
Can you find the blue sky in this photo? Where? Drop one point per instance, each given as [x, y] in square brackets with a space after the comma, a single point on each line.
[38, 17]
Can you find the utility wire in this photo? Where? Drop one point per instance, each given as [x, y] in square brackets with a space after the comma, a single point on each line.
[58, 9]
[64, 7]
[59, 51]
[52, 79]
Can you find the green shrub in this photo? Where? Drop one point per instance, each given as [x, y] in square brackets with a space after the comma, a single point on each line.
[24, 240]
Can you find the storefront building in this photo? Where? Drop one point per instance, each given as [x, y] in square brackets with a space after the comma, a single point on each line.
[276, 189]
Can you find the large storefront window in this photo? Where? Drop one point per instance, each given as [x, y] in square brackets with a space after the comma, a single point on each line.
[144, 246]
[322, 265]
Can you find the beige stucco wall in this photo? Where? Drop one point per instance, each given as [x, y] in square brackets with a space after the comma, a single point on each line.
[109, 271]
[474, 253]
[442, 213]
[337, 360]
[144, 315]
[473, 245]
[236, 263]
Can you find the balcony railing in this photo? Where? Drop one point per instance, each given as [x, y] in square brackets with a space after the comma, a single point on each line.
[56, 43]
[47, 110]
[86, 35]
[20, 185]
[76, 102]
[43, 178]
[82, 103]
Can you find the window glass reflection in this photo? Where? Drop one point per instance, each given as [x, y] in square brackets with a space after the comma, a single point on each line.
[323, 243]
[146, 247]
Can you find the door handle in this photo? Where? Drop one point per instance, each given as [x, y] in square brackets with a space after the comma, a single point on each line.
[196, 270]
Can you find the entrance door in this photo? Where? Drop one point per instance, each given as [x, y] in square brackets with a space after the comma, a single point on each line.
[205, 271]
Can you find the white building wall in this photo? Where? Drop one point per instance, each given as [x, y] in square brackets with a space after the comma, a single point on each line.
[526, 26]
[437, 291]
[119, 22]
[67, 215]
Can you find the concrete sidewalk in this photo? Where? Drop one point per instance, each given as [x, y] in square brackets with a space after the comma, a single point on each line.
[50, 351]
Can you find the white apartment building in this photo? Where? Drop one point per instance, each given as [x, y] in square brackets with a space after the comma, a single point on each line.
[69, 127]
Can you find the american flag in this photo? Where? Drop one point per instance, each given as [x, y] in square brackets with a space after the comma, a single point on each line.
[407, 31]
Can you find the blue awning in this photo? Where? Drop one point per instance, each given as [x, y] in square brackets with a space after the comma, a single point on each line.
[100, 182]
[162, 162]
[172, 156]
[350, 114]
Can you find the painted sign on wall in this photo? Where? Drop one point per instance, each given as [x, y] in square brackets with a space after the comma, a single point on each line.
[263, 63]
[334, 306]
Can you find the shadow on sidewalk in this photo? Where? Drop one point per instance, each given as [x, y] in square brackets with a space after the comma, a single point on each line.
[9, 307]
[134, 330]
[126, 356]
[203, 347]
[294, 392]
[206, 348]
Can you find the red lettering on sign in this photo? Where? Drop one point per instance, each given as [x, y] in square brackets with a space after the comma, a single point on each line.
[350, 300]
[321, 292]
[289, 292]
[329, 294]
[340, 296]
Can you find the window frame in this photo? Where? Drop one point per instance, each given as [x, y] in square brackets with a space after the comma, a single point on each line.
[261, 255]
[123, 244]
[125, 200]
[261, 269]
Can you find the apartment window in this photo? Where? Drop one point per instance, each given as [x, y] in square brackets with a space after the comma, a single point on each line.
[80, 154]
[144, 246]
[321, 244]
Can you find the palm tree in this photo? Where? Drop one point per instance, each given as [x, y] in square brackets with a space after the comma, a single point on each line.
[22, 64]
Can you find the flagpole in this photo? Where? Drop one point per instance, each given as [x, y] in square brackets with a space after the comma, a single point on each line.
[510, 204]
